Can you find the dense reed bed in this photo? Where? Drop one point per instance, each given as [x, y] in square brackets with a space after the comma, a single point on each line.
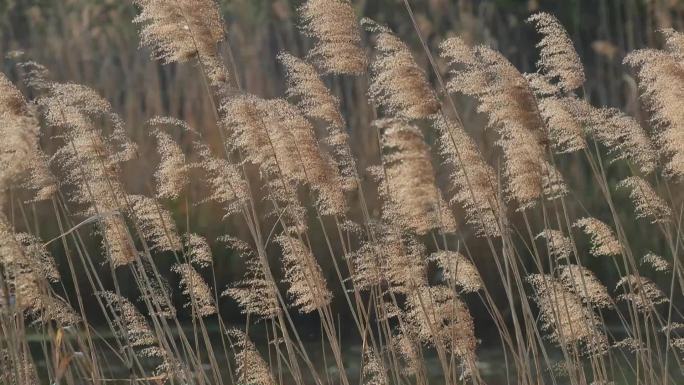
[285, 172]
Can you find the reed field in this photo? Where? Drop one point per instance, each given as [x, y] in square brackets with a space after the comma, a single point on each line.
[336, 192]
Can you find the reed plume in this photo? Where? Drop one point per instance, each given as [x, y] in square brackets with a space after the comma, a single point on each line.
[374, 372]
[224, 180]
[171, 175]
[398, 84]
[333, 24]
[583, 282]
[560, 246]
[558, 58]
[567, 320]
[459, 270]
[308, 290]
[178, 31]
[251, 367]
[317, 102]
[646, 201]
[199, 294]
[603, 240]
[134, 326]
[566, 132]
[155, 223]
[255, 294]
[505, 95]
[661, 79]
[643, 293]
[197, 250]
[656, 262]
[412, 198]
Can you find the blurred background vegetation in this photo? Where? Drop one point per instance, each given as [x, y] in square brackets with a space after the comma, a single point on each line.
[95, 42]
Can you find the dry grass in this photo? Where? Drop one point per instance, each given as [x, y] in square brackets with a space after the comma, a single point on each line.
[281, 178]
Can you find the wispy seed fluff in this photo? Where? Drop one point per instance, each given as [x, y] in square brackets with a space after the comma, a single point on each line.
[646, 201]
[255, 294]
[661, 78]
[200, 299]
[20, 153]
[317, 102]
[565, 317]
[134, 326]
[334, 25]
[181, 30]
[171, 175]
[584, 283]
[251, 367]
[458, 270]
[398, 84]
[224, 180]
[656, 262]
[643, 293]
[155, 223]
[559, 245]
[558, 60]
[408, 184]
[374, 372]
[603, 240]
[308, 289]
[197, 250]
[505, 95]
[622, 134]
[440, 317]
[566, 132]
[473, 179]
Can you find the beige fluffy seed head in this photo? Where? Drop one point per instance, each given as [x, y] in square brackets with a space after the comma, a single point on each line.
[646, 201]
[584, 283]
[398, 84]
[459, 270]
[308, 290]
[155, 223]
[656, 262]
[560, 246]
[171, 175]
[565, 131]
[661, 79]
[374, 372]
[251, 367]
[474, 180]
[643, 293]
[135, 328]
[603, 240]
[181, 30]
[412, 198]
[224, 180]
[333, 24]
[200, 299]
[197, 250]
[565, 317]
[559, 60]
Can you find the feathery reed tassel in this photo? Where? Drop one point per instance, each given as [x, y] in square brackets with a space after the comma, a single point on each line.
[20, 152]
[565, 130]
[646, 201]
[507, 98]
[134, 326]
[255, 294]
[459, 270]
[171, 175]
[374, 372]
[398, 84]
[224, 180]
[622, 134]
[656, 262]
[440, 317]
[180, 30]
[565, 317]
[251, 367]
[316, 102]
[560, 246]
[199, 294]
[197, 250]
[414, 200]
[155, 223]
[643, 293]
[334, 25]
[409, 352]
[473, 179]
[584, 283]
[603, 240]
[661, 78]
[308, 289]
[559, 60]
